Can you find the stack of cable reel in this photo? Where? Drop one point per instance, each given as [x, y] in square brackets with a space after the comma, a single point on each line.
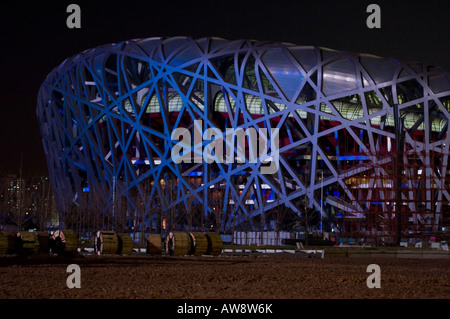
[193, 243]
[199, 244]
[27, 242]
[154, 243]
[125, 244]
[7, 243]
[106, 242]
[44, 241]
[178, 243]
[64, 241]
[215, 244]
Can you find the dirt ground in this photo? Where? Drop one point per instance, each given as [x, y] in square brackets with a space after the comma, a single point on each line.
[222, 277]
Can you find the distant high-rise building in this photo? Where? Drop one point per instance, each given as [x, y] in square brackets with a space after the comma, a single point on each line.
[29, 200]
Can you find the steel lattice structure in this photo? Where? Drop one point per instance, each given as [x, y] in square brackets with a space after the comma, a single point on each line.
[344, 119]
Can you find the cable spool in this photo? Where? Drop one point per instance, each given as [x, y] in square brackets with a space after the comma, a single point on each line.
[125, 244]
[154, 244]
[27, 243]
[199, 244]
[44, 241]
[7, 242]
[106, 242]
[215, 244]
[64, 241]
[178, 243]
[193, 244]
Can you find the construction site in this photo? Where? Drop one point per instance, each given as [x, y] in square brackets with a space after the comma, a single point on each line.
[359, 143]
[236, 272]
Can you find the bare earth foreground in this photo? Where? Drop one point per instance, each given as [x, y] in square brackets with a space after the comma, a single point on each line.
[224, 277]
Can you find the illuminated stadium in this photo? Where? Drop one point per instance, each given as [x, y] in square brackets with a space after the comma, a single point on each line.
[362, 140]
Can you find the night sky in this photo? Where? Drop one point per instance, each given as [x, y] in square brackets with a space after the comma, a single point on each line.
[35, 39]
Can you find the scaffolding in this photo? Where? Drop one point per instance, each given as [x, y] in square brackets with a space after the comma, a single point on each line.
[398, 198]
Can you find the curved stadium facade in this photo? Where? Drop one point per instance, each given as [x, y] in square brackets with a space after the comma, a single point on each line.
[362, 140]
